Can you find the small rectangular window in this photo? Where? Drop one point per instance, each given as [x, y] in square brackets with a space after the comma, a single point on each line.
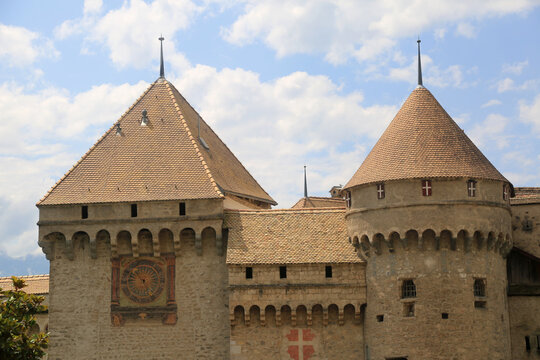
[133, 210]
[380, 318]
[426, 188]
[527, 343]
[380, 191]
[348, 199]
[84, 212]
[480, 287]
[471, 188]
[444, 315]
[328, 271]
[480, 304]
[408, 309]
[249, 272]
[182, 207]
[505, 192]
[282, 272]
[408, 289]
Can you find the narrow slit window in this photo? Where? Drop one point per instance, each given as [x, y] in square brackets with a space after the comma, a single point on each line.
[426, 188]
[249, 272]
[133, 210]
[480, 287]
[505, 192]
[282, 272]
[348, 199]
[538, 342]
[527, 343]
[328, 271]
[408, 289]
[471, 188]
[182, 208]
[380, 191]
[84, 212]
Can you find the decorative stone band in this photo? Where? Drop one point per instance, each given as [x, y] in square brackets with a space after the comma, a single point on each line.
[301, 315]
[428, 239]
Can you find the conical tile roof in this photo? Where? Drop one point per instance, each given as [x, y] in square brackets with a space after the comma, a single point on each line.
[164, 160]
[423, 142]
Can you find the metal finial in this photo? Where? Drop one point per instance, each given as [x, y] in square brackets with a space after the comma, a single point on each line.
[161, 67]
[305, 182]
[419, 64]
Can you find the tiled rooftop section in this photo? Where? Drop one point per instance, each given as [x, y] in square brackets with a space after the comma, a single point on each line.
[423, 142]
[160, 161]
[36, 284]
[318, 202]
[526, 195]
[288, 236]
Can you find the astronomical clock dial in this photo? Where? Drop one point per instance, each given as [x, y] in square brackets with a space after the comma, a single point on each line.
[143, 281]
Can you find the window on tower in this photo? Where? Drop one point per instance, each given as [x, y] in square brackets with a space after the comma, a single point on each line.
[380, 191]
[480, 287]
[408, 289]
[471, 188]
[505, 192]
[426, 187]
[348, 199]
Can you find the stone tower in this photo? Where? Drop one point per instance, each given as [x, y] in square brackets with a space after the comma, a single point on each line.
[431, 217]
[134, 235]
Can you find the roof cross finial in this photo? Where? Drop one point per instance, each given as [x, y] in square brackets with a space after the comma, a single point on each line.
[305, 182]
[419, 64]
[161, 67]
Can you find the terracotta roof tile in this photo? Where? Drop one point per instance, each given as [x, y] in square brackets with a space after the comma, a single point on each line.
[288, 236]
[160, 161]
[526, 195]
[423, 142]
[36, 284]
[318, 202]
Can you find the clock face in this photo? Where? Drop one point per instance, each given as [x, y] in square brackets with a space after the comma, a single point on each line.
[143, 281]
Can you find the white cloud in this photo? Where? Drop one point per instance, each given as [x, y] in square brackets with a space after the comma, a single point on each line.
[466, 30]
[440, 33]
[515, 68]
[508, 84]
[22, 47]
[530, 113]
[92, 6]
[492, 132]
[492, 102]
[359, 29]
[131, 31]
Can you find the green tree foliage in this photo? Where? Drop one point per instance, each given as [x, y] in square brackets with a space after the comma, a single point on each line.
[17, 316]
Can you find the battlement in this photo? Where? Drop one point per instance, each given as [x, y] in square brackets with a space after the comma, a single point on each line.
[367, 245]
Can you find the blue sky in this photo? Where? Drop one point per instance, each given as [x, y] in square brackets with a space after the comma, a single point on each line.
[283, 83]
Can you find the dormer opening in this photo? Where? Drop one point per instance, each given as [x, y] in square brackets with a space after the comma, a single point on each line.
[144, 118]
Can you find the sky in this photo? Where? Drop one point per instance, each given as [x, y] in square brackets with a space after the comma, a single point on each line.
[283, 83]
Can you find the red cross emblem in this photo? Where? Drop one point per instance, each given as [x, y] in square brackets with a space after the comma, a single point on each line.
[300, 348]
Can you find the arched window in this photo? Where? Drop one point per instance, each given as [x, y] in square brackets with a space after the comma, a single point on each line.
[479, 287]
[408, 289]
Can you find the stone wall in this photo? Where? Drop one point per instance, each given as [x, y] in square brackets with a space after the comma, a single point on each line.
[525, 321]
[80, 290]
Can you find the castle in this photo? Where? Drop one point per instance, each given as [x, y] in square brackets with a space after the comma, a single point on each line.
[163, 246]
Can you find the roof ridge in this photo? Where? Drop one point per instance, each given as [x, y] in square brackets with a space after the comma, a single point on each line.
[94, 145]
[275, 211]
[188, 132]
[223, 142]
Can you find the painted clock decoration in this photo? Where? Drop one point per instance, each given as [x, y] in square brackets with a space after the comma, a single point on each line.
[143, 288]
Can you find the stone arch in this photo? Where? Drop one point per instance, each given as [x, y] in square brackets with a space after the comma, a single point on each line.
[80, 241]
[394, 240]
[348, 313]
[301, 315]
[333, 314]
[365, 245]
[239, 317]
[317, 314]
[490, 242]
[166, 241]
[50, 242]
[478, 240]
[429, 240]
[144, 241]
[377, 241]
[463, 241]
[270, 315]
[255, 315]
[187, 238]
[285, 314]
[123, 243]
[208, 238]
[411, 240]
[500, 241]
[446, 240]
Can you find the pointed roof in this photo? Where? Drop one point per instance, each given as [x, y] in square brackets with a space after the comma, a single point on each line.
[164, 160]
[423, 142]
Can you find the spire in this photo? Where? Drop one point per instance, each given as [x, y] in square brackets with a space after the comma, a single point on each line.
[419, 64]
[305, 182]
[161, 67]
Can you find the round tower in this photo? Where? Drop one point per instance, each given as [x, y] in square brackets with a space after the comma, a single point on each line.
[431, 217]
